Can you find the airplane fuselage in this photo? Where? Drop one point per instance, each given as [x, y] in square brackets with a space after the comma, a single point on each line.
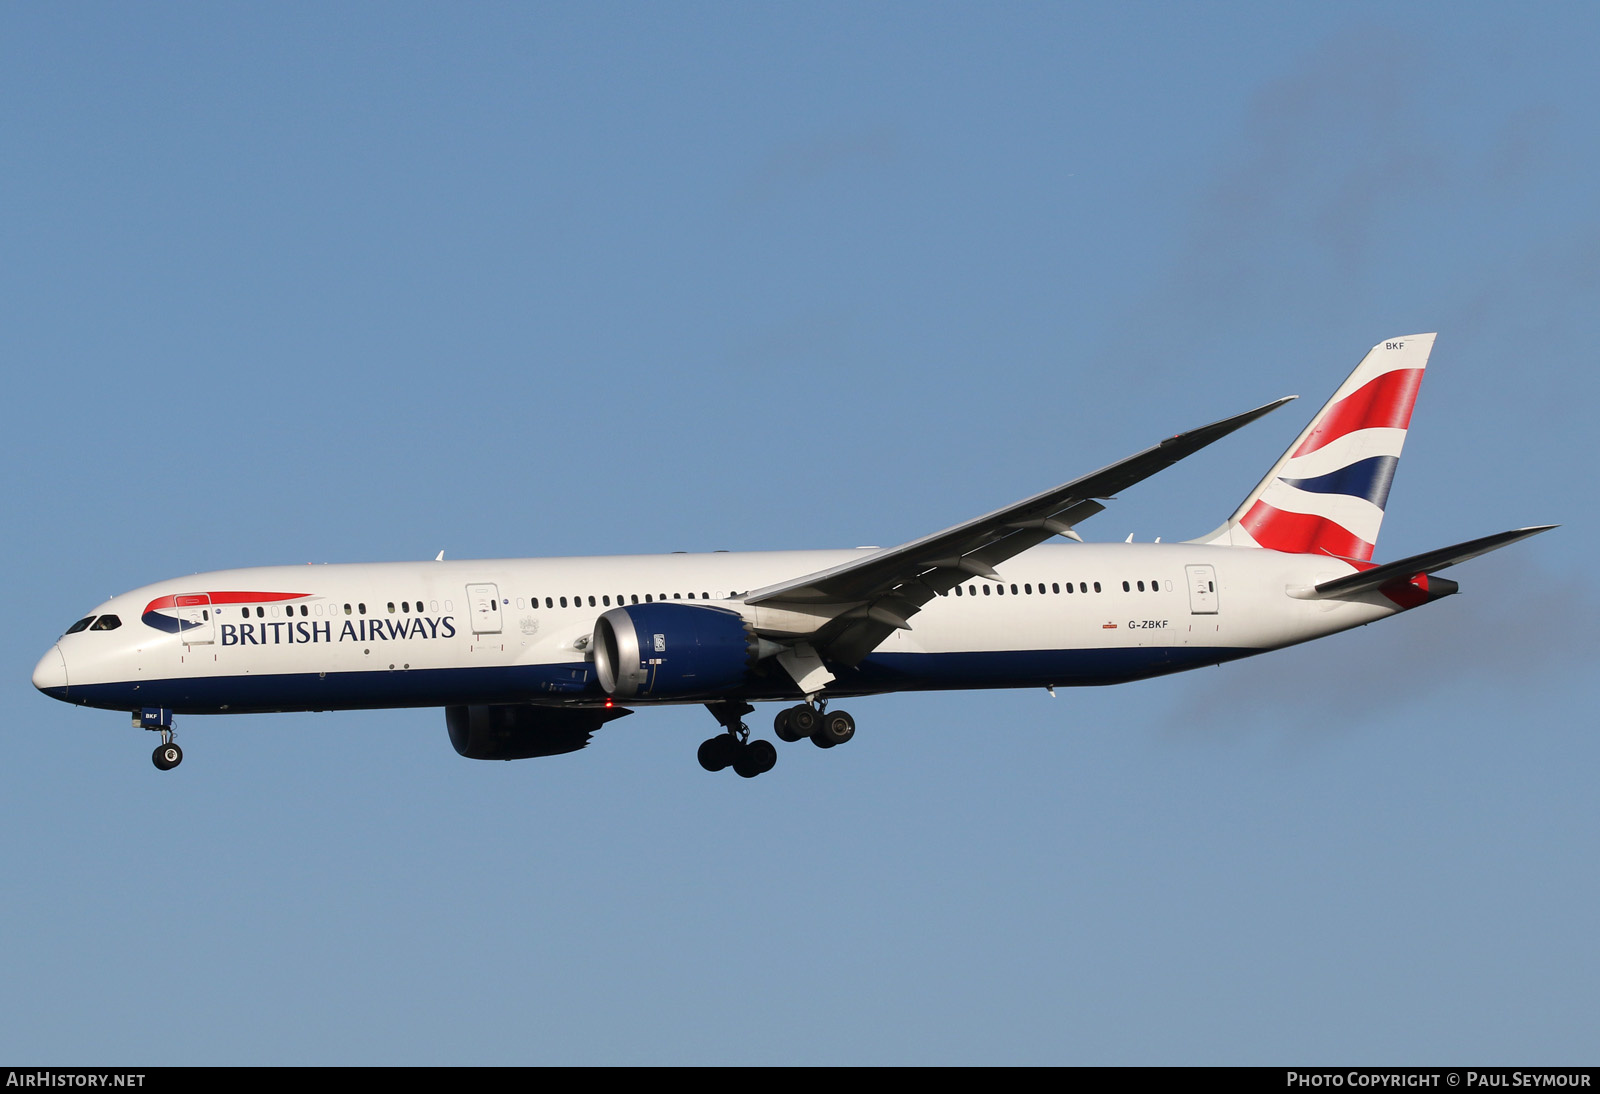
[337, 637]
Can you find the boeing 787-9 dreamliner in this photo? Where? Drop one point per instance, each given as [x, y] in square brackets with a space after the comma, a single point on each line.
[530, 657]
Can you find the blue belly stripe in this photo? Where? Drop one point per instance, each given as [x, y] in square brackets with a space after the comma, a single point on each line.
[566, 683]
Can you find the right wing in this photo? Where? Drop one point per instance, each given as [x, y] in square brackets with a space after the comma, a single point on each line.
[845, 611]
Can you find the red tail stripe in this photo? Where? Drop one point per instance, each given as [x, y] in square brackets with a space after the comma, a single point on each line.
[1384, 402]
[1302, 533]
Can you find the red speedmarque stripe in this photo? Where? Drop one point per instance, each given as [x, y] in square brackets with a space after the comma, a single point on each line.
[1302, 533]
[223, 598]
[1384, 402]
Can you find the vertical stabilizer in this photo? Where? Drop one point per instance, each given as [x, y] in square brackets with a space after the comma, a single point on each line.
[1326, 494]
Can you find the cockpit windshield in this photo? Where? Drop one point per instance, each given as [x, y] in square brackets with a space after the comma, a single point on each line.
[93, 623]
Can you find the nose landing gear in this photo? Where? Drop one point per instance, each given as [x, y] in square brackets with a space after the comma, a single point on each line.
[167, 754]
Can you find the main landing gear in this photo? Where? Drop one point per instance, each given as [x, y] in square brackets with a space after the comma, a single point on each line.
[167, 754]
[748, 758]
[734, 748]
[826, 728]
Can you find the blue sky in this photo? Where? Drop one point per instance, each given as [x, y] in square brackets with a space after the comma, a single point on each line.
[363, 282]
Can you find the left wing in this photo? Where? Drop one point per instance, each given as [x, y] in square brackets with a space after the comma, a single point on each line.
[845, 611]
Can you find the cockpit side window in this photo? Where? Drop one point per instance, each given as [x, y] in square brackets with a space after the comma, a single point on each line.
[106, 623]
[80, 625]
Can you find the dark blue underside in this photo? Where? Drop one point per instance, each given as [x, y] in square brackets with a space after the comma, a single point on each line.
[562, 684]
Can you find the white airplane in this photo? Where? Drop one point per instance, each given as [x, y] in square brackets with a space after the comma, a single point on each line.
[530, 656]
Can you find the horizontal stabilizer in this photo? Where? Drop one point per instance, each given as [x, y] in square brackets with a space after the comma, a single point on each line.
[1426, 563]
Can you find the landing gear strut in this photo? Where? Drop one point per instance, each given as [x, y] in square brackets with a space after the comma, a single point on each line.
[167, 754]
[734, 748]
[825, 728]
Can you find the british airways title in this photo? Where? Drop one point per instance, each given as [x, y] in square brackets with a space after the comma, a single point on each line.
[304, 631]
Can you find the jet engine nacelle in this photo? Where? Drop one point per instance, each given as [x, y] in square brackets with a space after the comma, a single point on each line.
[515, 732]
[672, 651]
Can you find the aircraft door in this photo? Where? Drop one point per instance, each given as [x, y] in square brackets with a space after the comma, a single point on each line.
[485, 602]
[195, 625]
[1202, 589]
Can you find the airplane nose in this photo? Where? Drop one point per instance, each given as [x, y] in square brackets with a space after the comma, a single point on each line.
[50, 674]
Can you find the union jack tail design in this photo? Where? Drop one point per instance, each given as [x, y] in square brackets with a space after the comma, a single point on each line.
[1326, 494]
